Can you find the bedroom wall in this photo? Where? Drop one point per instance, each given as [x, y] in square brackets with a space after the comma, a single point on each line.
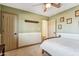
[25, 15]
[29, 33]
[26, 29]
[67, 28]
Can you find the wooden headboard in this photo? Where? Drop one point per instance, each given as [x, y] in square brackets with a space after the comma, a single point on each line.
[50, 37]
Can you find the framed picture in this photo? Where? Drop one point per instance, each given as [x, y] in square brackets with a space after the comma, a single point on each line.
[76, 13]
[59, 26]
[61, 19]
[69, 20]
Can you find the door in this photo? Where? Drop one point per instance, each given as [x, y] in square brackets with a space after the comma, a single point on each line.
[52, 28]
[9, 29]
[0, 25]
[45, 28]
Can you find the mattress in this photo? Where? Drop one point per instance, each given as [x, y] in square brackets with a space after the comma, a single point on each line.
[61, 47]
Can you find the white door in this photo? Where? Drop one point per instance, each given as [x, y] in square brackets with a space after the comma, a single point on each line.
[52, 28]
[45, 28]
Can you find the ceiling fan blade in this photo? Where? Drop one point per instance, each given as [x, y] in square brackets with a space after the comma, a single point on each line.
[57, 5]
[45, 9]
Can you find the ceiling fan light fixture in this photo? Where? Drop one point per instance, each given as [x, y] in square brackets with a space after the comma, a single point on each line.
[48, 5]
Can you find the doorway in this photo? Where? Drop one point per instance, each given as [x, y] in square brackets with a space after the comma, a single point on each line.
[9, 31]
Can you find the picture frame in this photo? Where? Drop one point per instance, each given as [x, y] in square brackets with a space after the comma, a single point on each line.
[76, 13]
[59, 26]
[69, 20]
[61, 19]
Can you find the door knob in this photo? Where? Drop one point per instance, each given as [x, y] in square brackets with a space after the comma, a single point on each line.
[15, 33]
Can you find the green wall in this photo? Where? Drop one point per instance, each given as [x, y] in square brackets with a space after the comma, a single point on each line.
[30, 27]
[67, 28]
[24, 27]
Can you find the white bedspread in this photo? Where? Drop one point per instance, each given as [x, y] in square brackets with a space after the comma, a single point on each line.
[61, 47]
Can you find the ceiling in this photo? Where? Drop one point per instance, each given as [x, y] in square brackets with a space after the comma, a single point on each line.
[39, 9]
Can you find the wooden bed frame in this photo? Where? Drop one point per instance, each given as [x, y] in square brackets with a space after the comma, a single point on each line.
[2, 49]
[43, 51]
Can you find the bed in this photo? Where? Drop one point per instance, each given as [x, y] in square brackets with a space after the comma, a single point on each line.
[62, 46]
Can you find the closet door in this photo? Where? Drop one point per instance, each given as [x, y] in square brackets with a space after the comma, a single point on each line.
[45, 28]
[52, 28]
[9, 31]
[0, 26]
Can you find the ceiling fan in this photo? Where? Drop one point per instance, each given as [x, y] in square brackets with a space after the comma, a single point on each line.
[49, 5]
